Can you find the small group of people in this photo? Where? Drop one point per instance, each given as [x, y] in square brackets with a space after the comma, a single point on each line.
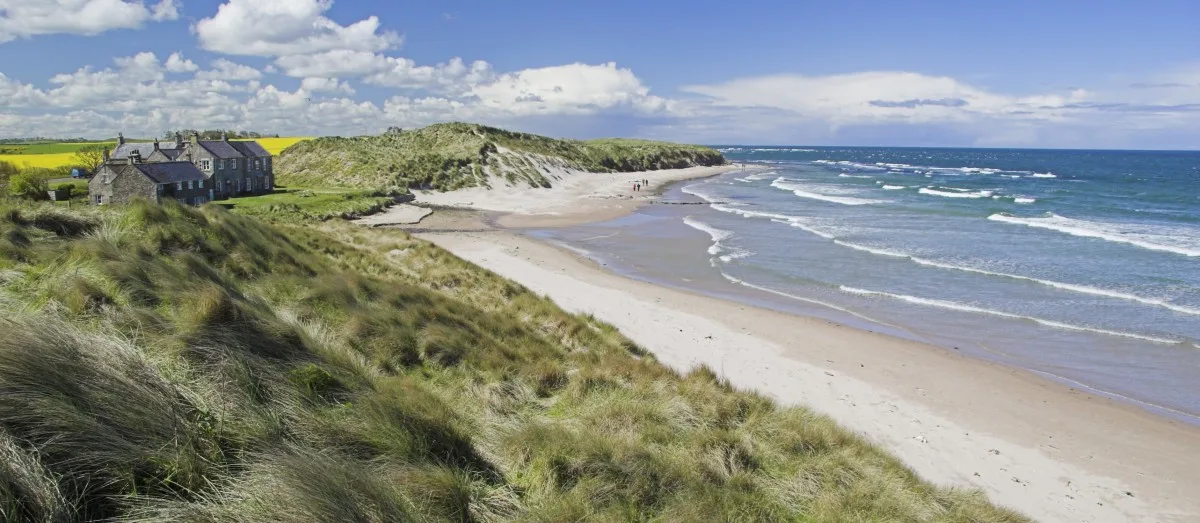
[637, 186]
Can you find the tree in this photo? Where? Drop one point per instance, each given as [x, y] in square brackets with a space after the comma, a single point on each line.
[28, 185]
[90, 157]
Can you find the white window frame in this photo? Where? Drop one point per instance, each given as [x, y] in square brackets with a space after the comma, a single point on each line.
[220, 165]
[200, 184]
[205, 165]
[178, 186]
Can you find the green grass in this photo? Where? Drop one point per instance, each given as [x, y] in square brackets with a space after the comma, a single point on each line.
[454, 155]
[298, 203]
[165, 363]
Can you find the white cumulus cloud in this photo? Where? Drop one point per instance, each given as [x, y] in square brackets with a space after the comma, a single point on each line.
[317, 85]
[176, 63]
[231, 71]
[26, 18]
[287, 27]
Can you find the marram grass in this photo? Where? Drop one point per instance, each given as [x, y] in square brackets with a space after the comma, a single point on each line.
[449, 156]
[178, 364]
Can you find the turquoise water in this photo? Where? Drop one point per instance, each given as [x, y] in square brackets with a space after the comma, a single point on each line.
[1081, 265]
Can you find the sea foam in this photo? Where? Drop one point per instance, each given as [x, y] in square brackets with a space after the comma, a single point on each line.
[1081, 289]
[801, 191]
[1155, 238]
[716, 234]
[957, 193]
[979, 310]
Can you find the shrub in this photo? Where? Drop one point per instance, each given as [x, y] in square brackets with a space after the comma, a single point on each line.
[28, 185]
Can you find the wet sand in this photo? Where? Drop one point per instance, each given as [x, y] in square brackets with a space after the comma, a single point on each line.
[1053, 452]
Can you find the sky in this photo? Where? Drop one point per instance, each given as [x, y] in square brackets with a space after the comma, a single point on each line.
[1061, 74]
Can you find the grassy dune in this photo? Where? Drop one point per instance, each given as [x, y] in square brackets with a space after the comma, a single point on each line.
[454, 155]
[174, 364]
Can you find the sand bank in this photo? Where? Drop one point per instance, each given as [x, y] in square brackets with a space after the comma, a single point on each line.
[574, 197]
[399, 214]
[1052, 452]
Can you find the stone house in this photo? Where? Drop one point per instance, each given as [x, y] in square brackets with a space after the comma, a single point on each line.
[120, 181]
[232, 168]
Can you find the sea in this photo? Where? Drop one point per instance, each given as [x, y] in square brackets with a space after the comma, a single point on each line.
[1080, 266]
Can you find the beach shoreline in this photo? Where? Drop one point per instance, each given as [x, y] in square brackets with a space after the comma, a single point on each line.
[1031, 443]
[574, 197]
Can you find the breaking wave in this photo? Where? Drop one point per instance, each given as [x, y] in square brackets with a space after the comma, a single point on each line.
[978, 310]
[800, 190]
[958, 193]
[1155, 238]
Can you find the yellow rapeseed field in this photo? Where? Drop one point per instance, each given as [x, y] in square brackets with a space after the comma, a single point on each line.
[275, 145]
[50, 161]
[38, 160]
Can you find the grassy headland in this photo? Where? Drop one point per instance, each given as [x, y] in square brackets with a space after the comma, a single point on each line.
[168, 363]
[455, 155]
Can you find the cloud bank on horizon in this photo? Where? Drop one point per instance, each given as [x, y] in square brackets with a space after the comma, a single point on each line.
[347, 77]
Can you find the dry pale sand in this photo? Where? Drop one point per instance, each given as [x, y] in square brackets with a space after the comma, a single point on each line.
[1050, 451]
[399, 214]
[574, 197]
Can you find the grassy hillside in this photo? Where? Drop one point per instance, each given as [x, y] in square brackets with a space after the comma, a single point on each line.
[174, 364]
[453, 155]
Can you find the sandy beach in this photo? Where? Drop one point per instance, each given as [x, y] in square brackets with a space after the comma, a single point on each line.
[575, 197]
[1053, 452]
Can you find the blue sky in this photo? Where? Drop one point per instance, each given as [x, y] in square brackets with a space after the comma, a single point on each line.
[1001, 74]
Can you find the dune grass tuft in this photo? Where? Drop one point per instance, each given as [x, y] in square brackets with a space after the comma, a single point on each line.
[179, 364]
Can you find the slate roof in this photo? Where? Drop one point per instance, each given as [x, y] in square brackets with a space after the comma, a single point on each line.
[250, 149]
[169, 172]
[173, 154]
[221, 149]
[144, 148]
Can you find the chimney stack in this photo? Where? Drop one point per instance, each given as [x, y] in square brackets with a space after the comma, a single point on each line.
[156, 144]
[178, 140]
[225, 136]
[106, 156]
[120, 139]
[195, 137]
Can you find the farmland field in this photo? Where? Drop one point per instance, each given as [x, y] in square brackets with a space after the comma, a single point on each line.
[51, 155]
[48, 161]
[46, 148]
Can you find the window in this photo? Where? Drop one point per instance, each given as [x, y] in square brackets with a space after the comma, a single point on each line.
[258, 165]
[189, 184]
[178, 186]
[205, 165]
[200, 184]
[233, 161]
[100, 199]
[220, 165]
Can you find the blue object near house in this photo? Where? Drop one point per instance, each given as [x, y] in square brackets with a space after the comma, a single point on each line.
[79, 173]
